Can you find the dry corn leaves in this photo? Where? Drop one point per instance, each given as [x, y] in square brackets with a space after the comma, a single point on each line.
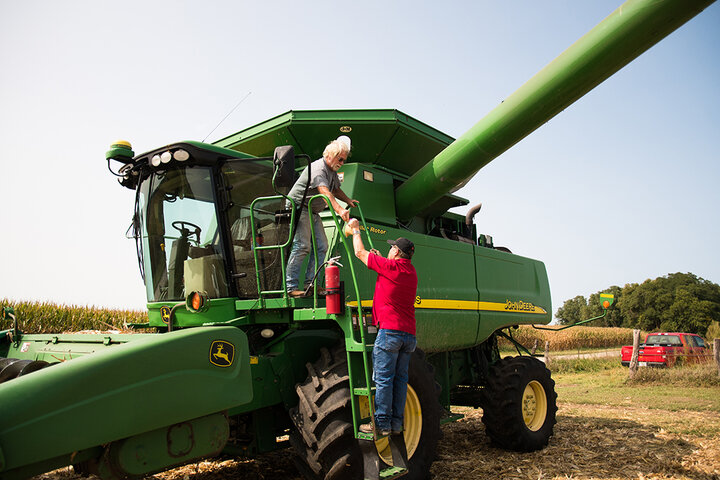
[590, 442]
[586, 337]
[48, 317]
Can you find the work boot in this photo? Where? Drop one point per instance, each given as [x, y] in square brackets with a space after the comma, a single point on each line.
[297, 293]
[368, 428]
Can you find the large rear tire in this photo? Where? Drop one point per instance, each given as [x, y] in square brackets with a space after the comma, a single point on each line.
[520, 404]
[324, 443]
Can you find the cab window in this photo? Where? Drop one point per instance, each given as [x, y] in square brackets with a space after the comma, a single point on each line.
[180, 240]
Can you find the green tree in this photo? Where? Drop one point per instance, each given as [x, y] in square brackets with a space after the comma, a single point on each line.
[676, 302]
[713, 331]
[572, 310]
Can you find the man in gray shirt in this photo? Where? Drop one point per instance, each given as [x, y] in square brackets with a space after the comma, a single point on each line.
[323, 179]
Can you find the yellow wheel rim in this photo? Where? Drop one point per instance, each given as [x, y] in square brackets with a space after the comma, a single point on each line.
[534, 405]
[412, 430]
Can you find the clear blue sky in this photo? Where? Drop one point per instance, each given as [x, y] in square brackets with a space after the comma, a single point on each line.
[618, 188]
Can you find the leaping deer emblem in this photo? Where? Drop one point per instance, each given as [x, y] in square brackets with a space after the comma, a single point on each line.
[219, 354]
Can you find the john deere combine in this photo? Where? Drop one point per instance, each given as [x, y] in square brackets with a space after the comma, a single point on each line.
[237, 367]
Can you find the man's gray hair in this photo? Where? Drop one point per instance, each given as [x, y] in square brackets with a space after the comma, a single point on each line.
[335, 148]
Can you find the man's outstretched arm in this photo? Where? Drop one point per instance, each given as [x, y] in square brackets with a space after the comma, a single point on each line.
[358, 245]
[344, 213]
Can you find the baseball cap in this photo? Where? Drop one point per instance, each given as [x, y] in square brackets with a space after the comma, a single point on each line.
[405, 245]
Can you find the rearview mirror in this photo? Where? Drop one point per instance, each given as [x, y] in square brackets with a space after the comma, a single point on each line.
[284, 166]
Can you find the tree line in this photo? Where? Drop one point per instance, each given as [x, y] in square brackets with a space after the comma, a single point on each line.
[677, 302]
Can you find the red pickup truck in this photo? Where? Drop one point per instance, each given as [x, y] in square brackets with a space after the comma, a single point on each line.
[664, 350]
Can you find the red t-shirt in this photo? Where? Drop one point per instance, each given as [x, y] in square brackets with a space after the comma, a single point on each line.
[395, 290]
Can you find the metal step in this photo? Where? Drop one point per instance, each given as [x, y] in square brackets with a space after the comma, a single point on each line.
[362, 391]
[371, 459]
[393, 472]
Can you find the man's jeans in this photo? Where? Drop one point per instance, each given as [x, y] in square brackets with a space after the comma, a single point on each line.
[302, 246]
[391, 360]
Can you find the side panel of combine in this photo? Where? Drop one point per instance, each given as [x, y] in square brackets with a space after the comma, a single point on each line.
[445, 309]
[447, 297]
[465, 292]
[122, 391]
[514, 290]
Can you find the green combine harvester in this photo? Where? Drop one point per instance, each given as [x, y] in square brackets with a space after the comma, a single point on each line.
[237, 367]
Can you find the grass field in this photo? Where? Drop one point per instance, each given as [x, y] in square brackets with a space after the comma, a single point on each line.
[695, 389]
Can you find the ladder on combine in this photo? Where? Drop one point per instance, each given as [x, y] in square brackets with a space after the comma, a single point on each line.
[358, 344]
[359, 351]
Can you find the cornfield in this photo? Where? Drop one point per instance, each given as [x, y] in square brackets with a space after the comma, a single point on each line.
[571, 338]
[47, 317]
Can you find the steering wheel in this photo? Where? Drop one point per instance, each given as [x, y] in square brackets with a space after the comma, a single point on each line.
[180, 226]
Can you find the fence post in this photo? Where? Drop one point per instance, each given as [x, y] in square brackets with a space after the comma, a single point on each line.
[534, 348]
[635, 350]
[547, 352]
[716, 349]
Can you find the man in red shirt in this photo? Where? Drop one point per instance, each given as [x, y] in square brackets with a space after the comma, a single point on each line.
[394, 315]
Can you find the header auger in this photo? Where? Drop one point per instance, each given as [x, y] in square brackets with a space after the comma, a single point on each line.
[237, 367]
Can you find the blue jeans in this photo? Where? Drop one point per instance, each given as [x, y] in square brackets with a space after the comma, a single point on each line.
[391, 361]
[302, 246]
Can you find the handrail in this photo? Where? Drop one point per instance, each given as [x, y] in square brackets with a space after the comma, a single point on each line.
[361, 323]
[256, 248]
[349, 252]
[367, 231]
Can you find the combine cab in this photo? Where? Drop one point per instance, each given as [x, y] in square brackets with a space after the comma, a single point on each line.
[237, 367]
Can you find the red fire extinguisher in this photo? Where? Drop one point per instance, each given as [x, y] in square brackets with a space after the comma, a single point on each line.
[332, 287]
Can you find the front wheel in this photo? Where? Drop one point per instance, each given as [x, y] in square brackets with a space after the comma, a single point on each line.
[520, 404]
[324, 442]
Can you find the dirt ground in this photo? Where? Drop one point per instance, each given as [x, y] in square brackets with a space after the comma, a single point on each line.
[590, 442]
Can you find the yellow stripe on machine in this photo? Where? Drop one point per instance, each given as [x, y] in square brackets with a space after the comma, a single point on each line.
[439, 304]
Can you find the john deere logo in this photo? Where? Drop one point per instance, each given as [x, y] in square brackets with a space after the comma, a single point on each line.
[222, 353]
[346, 129]
[165, 314]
